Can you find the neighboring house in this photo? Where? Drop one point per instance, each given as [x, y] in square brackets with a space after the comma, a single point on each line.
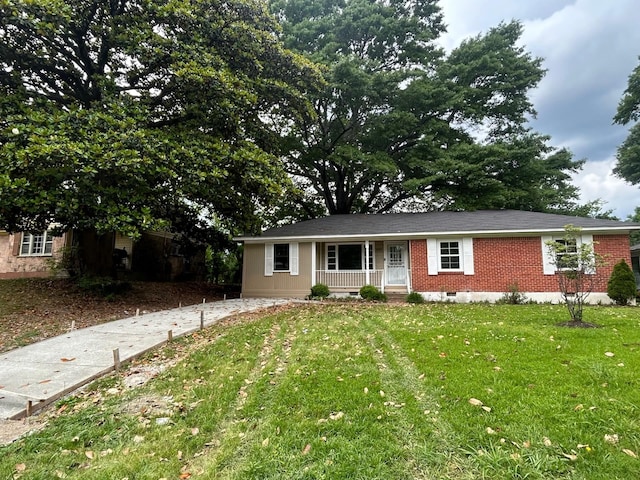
[635, 263]
[29, 255]
[456, 256]
[156, 256]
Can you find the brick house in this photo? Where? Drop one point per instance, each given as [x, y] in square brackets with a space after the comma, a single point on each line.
[455, 256]
[29, 255]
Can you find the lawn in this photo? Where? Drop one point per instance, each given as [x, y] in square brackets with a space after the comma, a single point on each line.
[364, 392]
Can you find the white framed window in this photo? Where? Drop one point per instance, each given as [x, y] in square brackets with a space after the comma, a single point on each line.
[569, 257]
[36, 245]
[450, 255]
[349, 256]
[281, 258]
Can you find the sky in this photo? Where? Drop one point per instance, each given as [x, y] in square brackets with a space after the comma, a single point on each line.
[589, 48]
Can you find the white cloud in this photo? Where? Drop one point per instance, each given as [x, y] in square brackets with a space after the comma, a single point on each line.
[597, 181]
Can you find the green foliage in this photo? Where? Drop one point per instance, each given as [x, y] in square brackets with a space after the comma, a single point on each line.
[372, 293]
[415, 297]
[634, 237]
[397, 125]
[628, 112]
[133, 115]
[223, 266]
[621, 287]
[102, 286]
[575, 263]
[320, 290]
[513, 295]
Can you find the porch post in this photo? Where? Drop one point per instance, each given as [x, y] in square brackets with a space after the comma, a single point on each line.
[314, 279]
[367, 273]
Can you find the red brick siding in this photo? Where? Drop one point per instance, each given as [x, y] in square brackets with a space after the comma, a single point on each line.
[500, 262]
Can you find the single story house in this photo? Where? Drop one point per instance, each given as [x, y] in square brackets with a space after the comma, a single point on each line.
[454, 256]
[155, 256]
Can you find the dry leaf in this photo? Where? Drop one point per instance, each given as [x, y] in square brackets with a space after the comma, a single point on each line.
[366, 390]
[20, 467]
[195, 431]
[89, 454]
[546, 441]
[611, 438]
[609, 354]
[265, 442]
[179, 455]
[475, 402]
[570, 456]
[578, 407]
[60, 474]
[138, 439]
[631, 453]
[442, 355]
[336, 416]
[45, 381]
[381, 393]
[491, 431]
[486, 409]
[64, 359]
[307, 449]
[185, 476]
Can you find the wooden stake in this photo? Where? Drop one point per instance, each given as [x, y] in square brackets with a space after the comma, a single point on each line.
[224, 297]
[73, 325]
[204, 300]
[201, 319]
[29, 408]
[137, 312]
[180, 305]
[170, 336]
[116, 359]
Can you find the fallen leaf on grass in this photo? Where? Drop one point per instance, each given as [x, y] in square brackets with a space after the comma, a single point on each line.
[631, 453]
[185, 476]
[570, 456]
[611, 438]
[20, 467]
[265, 442]
[89, 454]
[609, 354]
[195, 431]
[475, 402]
[307, 449]
[546, 441]
[336, 416]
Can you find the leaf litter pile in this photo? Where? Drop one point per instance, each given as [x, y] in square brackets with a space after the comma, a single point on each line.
[359, 391]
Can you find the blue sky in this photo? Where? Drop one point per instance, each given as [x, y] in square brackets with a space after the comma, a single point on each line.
[589, 49]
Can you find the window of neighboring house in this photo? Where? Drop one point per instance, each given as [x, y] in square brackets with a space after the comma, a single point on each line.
[40, 244]
[348, 256]
[449, 255]
[281, 257]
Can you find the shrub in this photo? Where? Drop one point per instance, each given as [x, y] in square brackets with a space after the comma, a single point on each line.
[622, 284]
[320, 290]
[415, 297]
[103, 286]
[370, 292]
[513, 295]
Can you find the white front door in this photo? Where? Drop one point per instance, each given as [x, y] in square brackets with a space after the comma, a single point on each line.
[396, 264]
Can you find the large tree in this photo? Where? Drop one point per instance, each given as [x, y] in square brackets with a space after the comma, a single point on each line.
[628, 155]
[125, 115]
[402, 125]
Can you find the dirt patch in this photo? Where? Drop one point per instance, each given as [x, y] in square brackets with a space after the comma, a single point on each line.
[11, 430]
[35, 309]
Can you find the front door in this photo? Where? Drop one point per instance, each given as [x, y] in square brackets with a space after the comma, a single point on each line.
[396, 264]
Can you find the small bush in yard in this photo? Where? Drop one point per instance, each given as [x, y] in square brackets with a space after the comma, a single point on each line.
[320, 290]
[370, 292]
[415, 297]
[513, 296]
[621, 287]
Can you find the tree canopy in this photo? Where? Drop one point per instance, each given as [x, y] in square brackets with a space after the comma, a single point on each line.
[628, 155]
[125, 115]
[402, 125]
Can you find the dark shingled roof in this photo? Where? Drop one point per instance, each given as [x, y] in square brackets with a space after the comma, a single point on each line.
[440, 223]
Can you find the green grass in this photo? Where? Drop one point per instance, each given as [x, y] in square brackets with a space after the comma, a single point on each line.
[366, 392]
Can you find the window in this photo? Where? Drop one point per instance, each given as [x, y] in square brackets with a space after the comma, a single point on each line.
[449, 255]
[348, 256]
[567, 254]
[281, 257]
[40, 244]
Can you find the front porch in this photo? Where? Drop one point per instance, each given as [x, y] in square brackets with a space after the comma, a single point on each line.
[351, 281]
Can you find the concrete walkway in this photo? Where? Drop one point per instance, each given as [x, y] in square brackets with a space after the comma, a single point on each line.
[34, 376]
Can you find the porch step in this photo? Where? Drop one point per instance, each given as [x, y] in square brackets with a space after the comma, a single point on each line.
[396, 297]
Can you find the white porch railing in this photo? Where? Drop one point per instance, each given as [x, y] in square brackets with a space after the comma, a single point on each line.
[350, 278]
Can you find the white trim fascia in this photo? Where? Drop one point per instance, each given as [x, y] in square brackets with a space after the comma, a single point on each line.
[420, 235]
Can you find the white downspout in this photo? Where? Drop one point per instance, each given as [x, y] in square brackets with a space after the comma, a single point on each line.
[367, 274]
[314, 279]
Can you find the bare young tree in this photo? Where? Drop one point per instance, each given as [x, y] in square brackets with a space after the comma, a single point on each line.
[575, 263]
